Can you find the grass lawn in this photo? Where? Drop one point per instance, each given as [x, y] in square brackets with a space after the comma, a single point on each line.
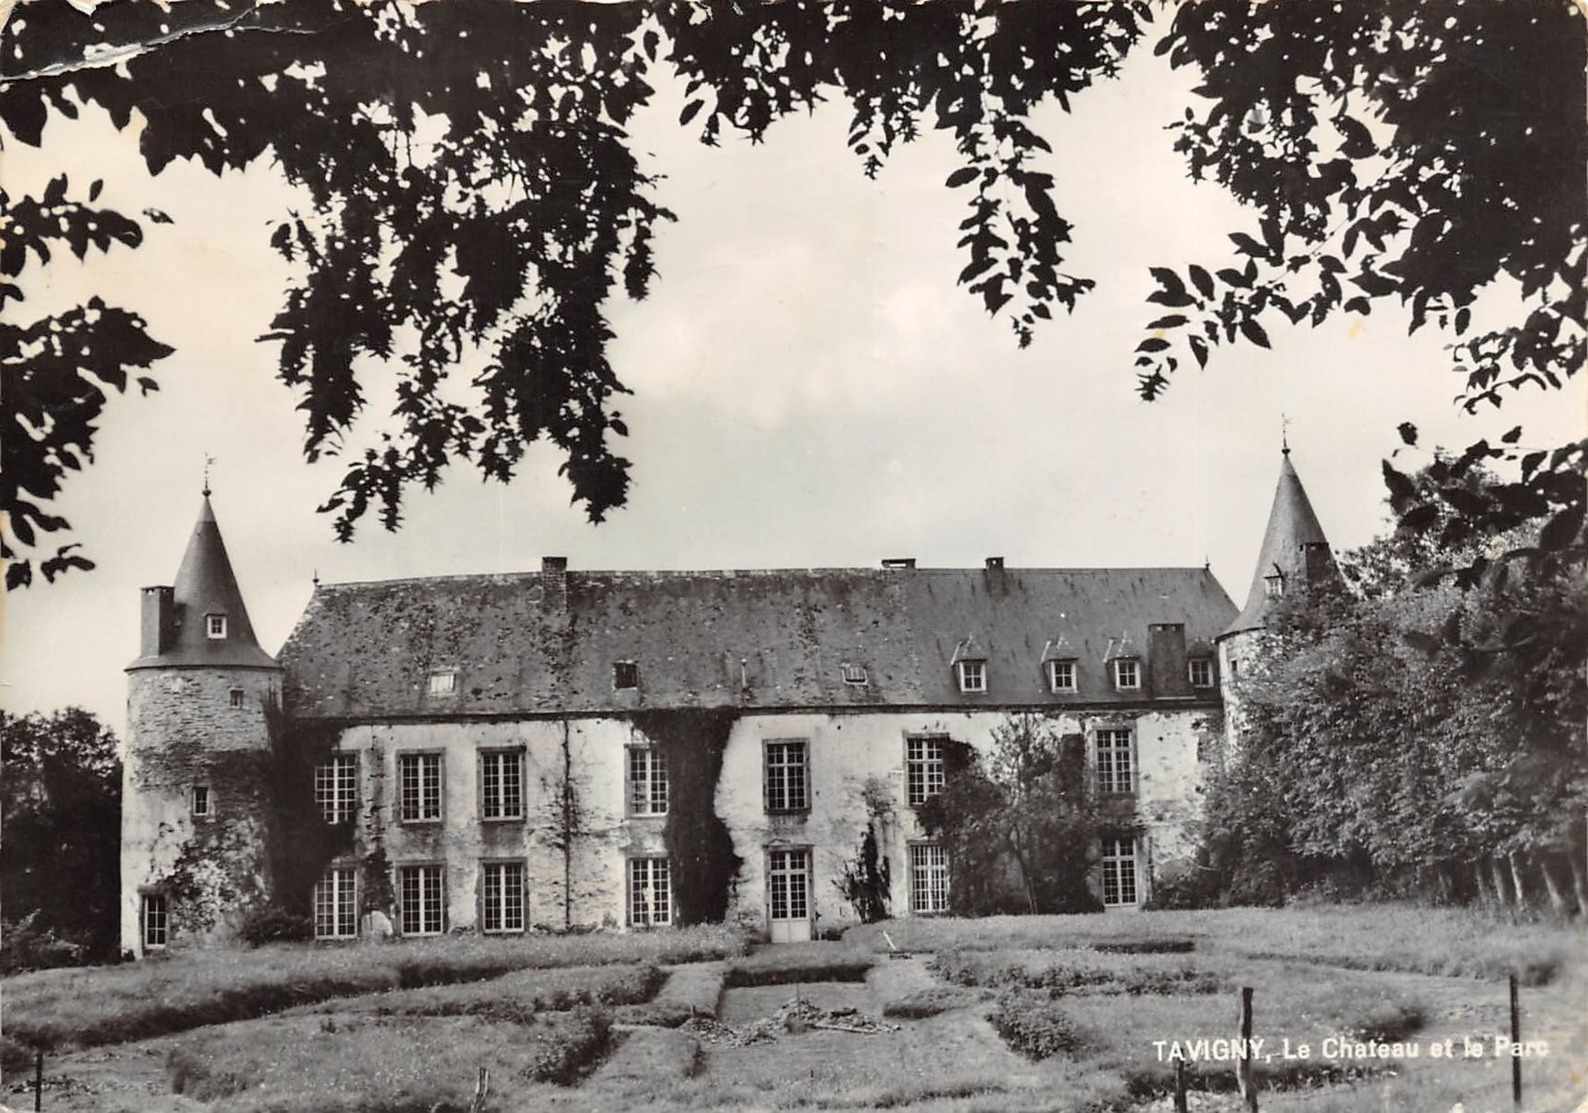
[1081, 999]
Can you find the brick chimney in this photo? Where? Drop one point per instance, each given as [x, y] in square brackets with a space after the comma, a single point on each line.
[1166, 661]
[554, 583]
[159, 621]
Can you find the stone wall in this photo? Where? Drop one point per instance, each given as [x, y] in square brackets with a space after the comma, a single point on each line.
[183, 730]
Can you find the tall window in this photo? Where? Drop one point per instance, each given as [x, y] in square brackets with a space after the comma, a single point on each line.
[502, 784]
[1119, 871]
[1061, 676]
[420, 892]
[419, 787]
[650, 892]
[501, 896]
[923, 768]
[928, 878]
[1200, 671]
[1127, 674]
[336, 788]
[786, 777]
[972, 676]
[203, 802]
[1115, 769]
[155, 916]
[647, 781]
[336, 903]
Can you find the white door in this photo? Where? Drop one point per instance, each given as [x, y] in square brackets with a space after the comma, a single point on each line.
[788, 889]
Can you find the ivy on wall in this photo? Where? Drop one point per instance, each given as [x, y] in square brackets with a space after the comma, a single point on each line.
[299, 843]
[700, 852]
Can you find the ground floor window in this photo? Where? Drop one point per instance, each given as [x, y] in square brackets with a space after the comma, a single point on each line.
[928, 878]
[155, 915]
[502, 896]
[1119, 871]
[420, 892]
[336, 903]
[650, 892]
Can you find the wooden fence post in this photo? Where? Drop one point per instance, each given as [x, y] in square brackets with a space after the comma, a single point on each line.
[1245, 1078]
[38, 1079]
[1179, 1086]
[1516, 1042]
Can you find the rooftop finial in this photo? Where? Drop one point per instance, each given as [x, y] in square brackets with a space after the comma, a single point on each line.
[1284, 434]
[208, 460]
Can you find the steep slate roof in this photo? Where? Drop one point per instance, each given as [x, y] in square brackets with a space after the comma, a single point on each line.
[1292, 525]
[766, 639]
[205, 584]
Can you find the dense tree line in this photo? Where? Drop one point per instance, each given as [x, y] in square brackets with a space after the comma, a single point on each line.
[60, 839]
[1406, 735]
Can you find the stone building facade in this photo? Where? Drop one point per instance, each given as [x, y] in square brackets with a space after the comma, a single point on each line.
[633, 749]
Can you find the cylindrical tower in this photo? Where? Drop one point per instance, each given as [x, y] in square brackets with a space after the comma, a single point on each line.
[196, 782]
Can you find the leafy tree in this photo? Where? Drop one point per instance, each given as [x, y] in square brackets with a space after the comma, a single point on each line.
[61, 819]
[474, 188]
[1020, 812]
[1421, 153]
[57, 370]
[1419, 738]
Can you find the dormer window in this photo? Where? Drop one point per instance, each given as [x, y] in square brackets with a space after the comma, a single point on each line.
[215, 625]
[856, 675]
[972, 676]
[1200, 672]
[625, 674]
[1274, 584]
[443, 682]
[1127, 674]
[1061, 676]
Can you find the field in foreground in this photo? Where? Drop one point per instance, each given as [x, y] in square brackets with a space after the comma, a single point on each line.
[1017, 1013]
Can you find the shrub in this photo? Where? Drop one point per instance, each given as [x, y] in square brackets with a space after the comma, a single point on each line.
[928, 1002]
[567, 1051]
[274, 924]
[24, 945]
[1032, 1024]
[1162, 946]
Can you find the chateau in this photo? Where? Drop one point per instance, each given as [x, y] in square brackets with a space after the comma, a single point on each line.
[631, 749]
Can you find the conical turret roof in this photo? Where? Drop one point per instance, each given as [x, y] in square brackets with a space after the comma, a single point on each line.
[1292, 528]
[206, 586]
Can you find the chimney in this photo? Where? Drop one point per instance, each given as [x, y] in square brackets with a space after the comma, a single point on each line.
[899, 562]
[1317, 562]
[554, 583]
[159, 621]
[1166, 660]
[995, 564]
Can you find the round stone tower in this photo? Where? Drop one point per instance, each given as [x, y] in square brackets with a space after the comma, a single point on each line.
[1295, 555]
[196, 779]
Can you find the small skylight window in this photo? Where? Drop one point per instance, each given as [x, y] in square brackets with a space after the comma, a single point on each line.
[856, 675]
[215, 625]
[625, 674]
[443, 682]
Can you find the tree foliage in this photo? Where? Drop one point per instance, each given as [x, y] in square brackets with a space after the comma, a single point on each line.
[61, 799]
[59, 370]
[476, 197]
[1425, 154]
[1408, 737]
[1017, 822]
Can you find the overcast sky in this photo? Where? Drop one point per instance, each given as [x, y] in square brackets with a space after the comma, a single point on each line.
[810, 389]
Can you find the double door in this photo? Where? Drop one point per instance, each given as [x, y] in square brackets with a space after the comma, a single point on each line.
[788, 885]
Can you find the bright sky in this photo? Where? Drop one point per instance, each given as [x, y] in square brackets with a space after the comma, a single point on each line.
[810, 389]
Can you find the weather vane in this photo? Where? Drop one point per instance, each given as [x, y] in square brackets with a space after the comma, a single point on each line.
[1284, 433]
[208, 460]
